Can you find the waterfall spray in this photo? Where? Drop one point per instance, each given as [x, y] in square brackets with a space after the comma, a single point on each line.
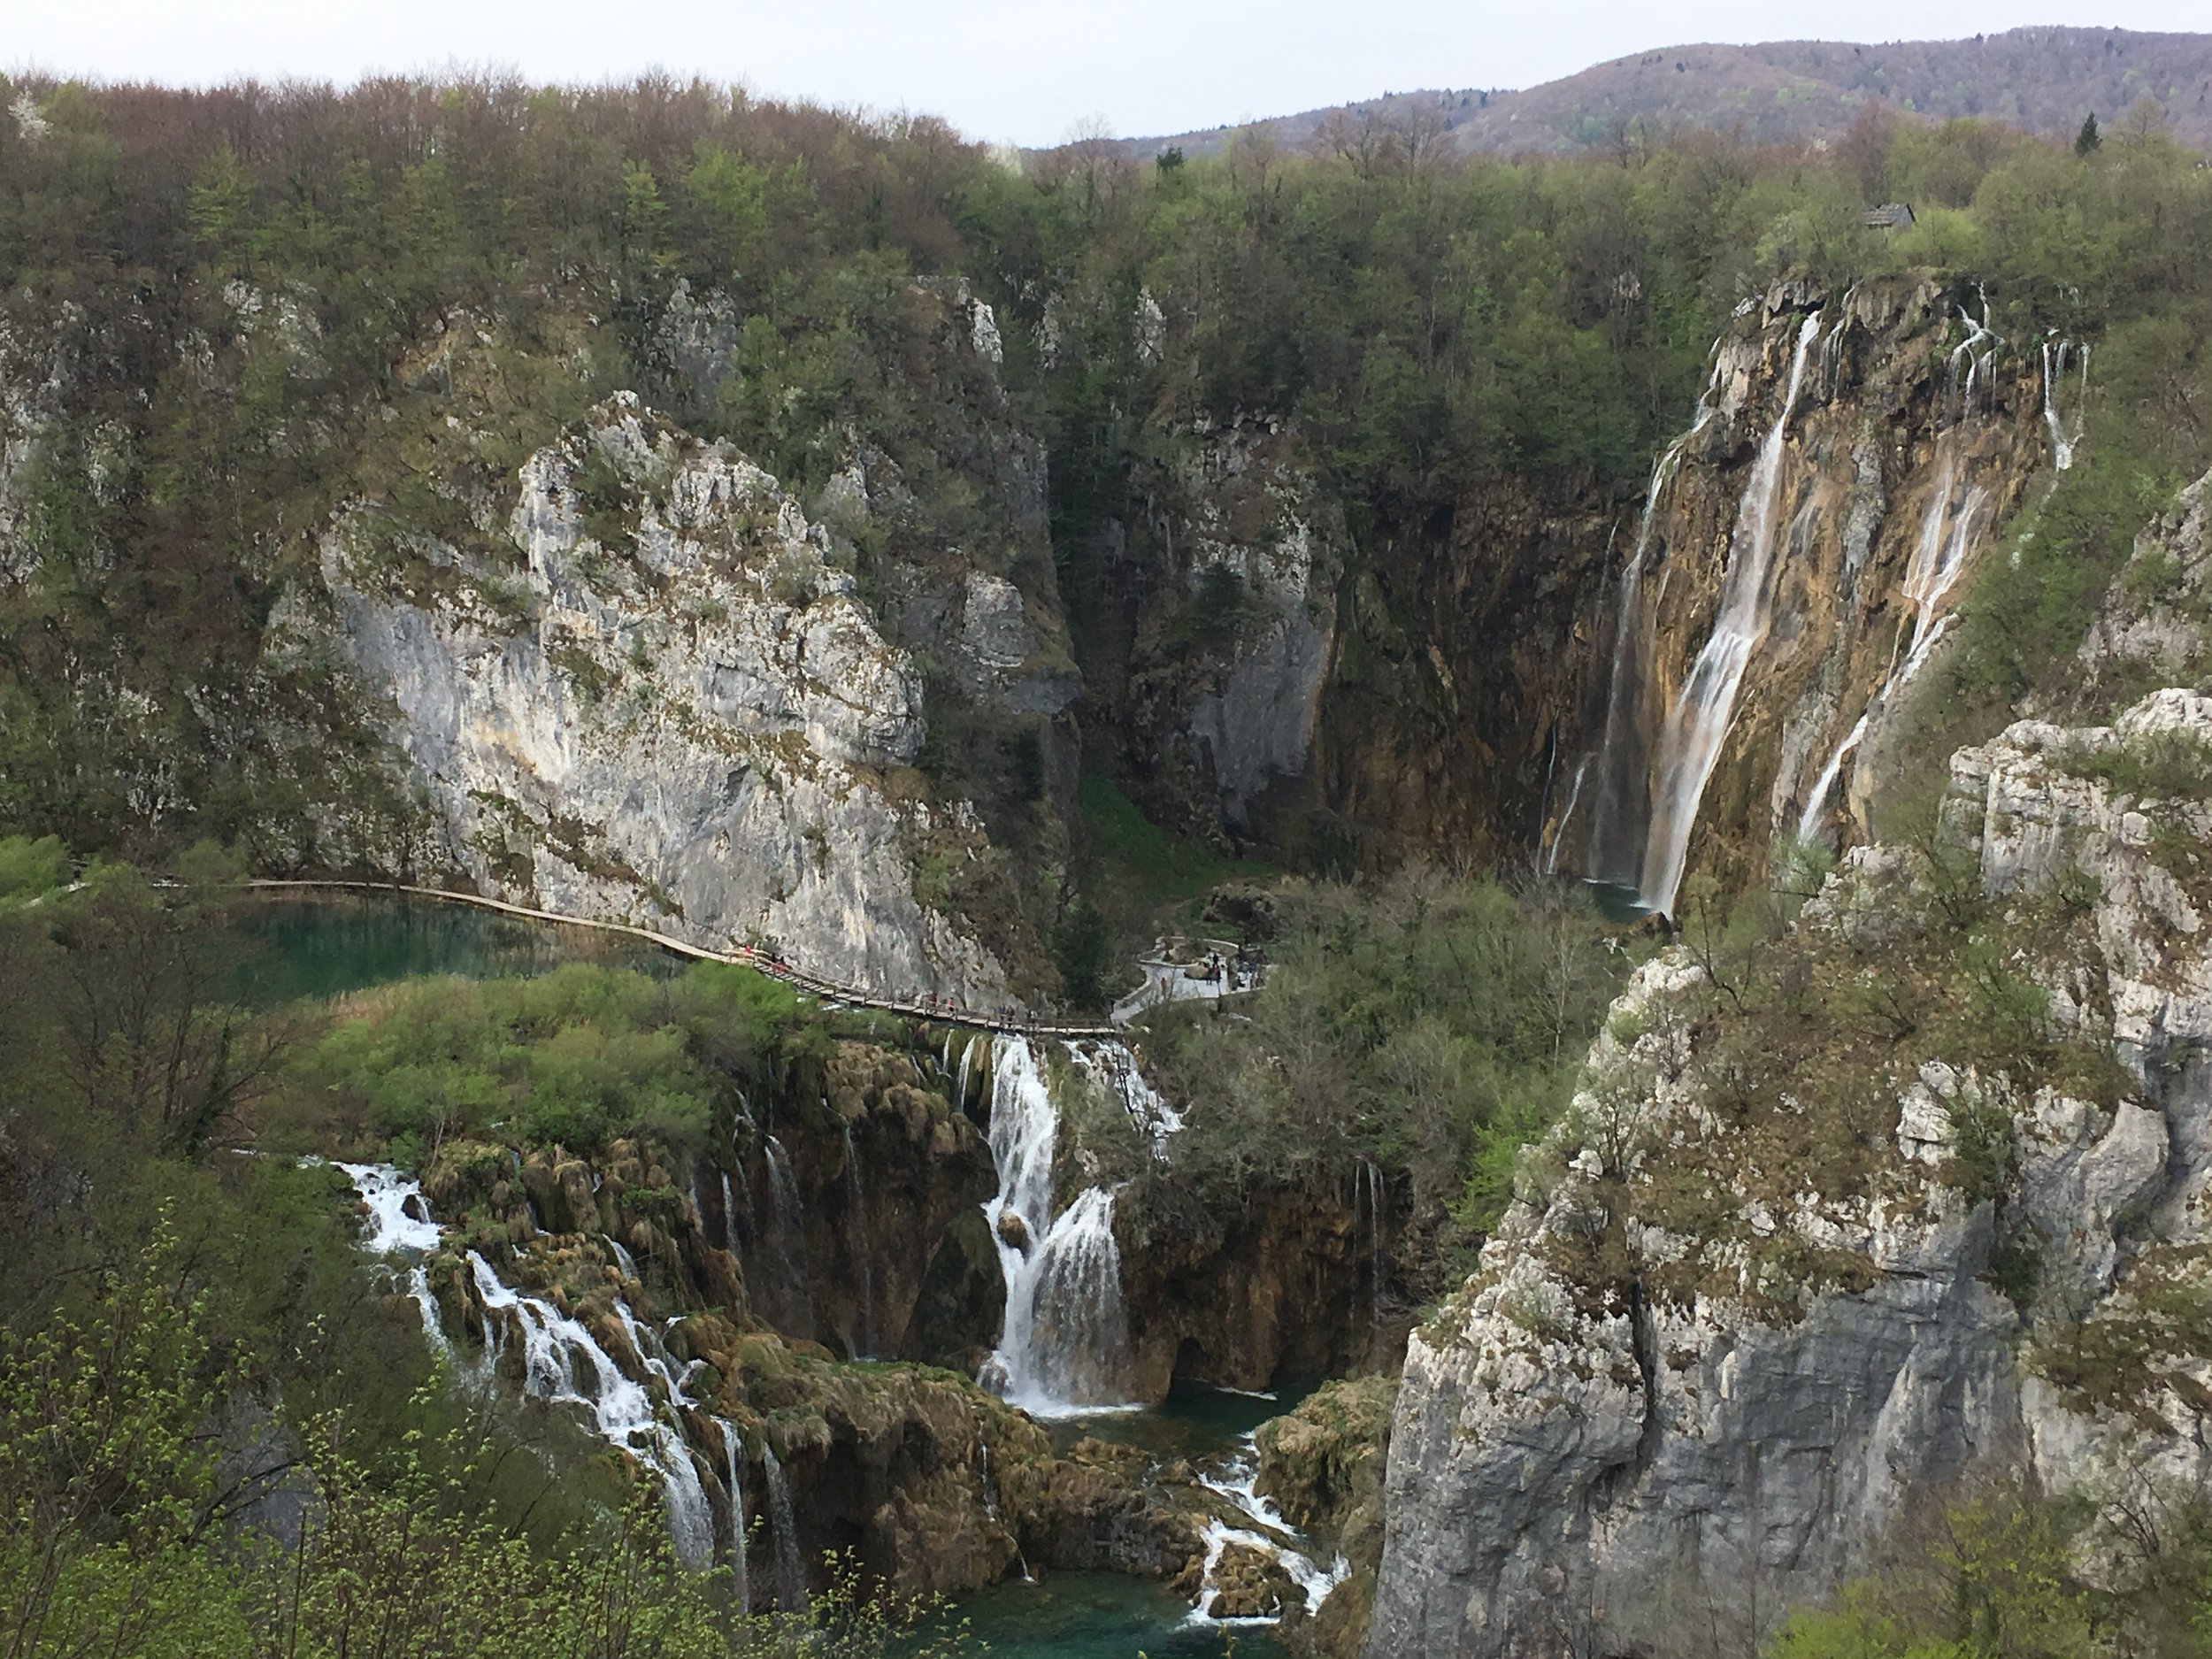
[1620, 809]
[1690, 741]
[1065, 1344]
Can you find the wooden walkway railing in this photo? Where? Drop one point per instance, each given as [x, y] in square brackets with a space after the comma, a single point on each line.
[1026, 1022]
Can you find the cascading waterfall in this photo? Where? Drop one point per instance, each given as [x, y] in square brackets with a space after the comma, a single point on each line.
[1950, 529]
[400, 1224]
[1064, 1345]
[729, 1214]
[967, 1065]
[1697, 723]
[1115, 1069]
[733, 1462]
[1269, 1531]
[1620, 809]
[1566, 817]
[622, 1411]
[783, 1527]
[1815, 805]
[2064, 437]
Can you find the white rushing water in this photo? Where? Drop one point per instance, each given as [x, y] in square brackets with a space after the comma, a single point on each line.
[2065, 435]
[733, 1472]
[564, 1365]
[1268, 1532]
[400, 1224]
[1697, 723]
[1064, 1345]
[1620, 809]
[1113, 1067]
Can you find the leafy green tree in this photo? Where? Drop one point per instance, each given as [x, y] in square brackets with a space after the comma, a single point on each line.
[220, 209]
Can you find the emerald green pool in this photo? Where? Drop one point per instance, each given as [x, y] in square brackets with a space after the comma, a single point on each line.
[326, 946]
[1099, 1616]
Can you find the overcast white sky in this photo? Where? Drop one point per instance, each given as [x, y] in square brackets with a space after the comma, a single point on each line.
[997, 69]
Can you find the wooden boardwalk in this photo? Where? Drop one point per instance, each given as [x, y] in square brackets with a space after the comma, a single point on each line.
[1024, 1022]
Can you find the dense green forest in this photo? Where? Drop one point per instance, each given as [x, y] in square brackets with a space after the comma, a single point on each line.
[240, 291]
[1432, 322]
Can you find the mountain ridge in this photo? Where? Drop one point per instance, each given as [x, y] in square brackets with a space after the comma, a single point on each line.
[2044, 78]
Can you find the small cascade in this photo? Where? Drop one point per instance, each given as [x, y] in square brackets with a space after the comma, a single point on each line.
[1697, 723]
[783, 1529]
[2065, 436]
[400, 1224]
[1064, 1345]
[1621, 807]
[1941, 555]
[1373, 1178]
[863, 1344]
[967, 1065]
[1566, 817]
[1268, 1530]
[1113, 1066]
[625, 1262]
[623, 1412]
[732, 1464]
[1815, 807]
[729, 1215]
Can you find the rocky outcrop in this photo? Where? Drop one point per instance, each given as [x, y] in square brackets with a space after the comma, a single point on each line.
[1279, 1288]
[671, 708]
[1208, 619]
[1747, 1317]
[1854, 458]
[1323, 1465]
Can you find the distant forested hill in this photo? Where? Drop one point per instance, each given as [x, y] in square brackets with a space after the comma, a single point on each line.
[2045, 80]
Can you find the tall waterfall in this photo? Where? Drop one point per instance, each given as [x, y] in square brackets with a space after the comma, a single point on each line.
[622, 1411]
[1697, 723]
[1620, 807]
[1066, 1342]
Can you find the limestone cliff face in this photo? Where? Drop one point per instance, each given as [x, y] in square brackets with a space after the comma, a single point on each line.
[1799, 552]
[1212, 627]
[1670, 1393]
[678, 713]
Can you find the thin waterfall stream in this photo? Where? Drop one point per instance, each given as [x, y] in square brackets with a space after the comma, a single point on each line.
[1951, 526]
[1697, 723]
